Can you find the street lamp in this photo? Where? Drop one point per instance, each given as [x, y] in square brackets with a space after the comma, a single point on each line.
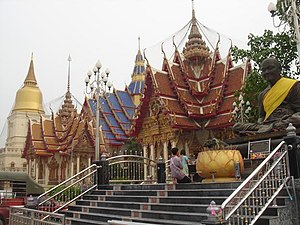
[241, 110]
[102, 87]
[290, 13]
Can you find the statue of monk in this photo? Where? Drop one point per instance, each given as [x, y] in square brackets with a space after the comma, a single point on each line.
[279, 103]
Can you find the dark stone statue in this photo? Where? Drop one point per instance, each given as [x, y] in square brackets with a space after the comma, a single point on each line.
[279, 103]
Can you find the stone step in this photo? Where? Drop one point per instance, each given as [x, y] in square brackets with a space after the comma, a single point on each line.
[157, 199]
[77, 221]
[165, 204]
[195, 185]
[93, 219]
[183, 192]
[196, 208]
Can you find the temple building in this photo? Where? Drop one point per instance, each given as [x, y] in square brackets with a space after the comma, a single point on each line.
[189, 100]
[28, 105]
[186, 102]
[61, 145]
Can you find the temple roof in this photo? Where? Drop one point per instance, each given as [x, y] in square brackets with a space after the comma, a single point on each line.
[116, 112]
[195, 90]
[60, 134]
[136, 85]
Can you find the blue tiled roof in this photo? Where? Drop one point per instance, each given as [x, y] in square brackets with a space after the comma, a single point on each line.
[125, 99]
[121, 116]
[138, 69]
[129, 111]
[113, 119]
[114, 102]
[136, 87]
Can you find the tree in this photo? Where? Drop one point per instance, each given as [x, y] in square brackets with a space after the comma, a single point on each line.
[280, 46]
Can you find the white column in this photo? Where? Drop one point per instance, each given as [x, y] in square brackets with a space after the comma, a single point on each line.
[186, 147]
[34, 167]
[37, 172]
[66, 170]
[166, 156]
[46, 172]
[29, 167]
[145, 162]
[59, 169]
[72, 168]
[89, 161]
[165, 153]
[78, 163]
[173, 143]
[152, 158]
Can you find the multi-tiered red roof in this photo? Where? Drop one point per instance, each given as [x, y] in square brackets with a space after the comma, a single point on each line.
[196, 90]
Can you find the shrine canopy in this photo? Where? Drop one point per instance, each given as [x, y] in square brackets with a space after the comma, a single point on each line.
[193, 91]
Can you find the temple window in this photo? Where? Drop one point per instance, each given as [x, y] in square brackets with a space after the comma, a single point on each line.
[12, 165]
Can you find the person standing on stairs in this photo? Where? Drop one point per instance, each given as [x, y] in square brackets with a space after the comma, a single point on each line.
[185, 162]
[177, 168]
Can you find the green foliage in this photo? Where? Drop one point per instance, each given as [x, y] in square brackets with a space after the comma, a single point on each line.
[67, 194]
[279, 46]
[132, 146]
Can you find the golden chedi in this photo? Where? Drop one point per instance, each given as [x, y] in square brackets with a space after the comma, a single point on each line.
[29, 97]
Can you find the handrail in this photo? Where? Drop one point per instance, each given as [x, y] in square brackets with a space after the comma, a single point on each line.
[257, 184]
[67, 180]
[131, 169]
[76, 186]
[247, 203]
[246, 181]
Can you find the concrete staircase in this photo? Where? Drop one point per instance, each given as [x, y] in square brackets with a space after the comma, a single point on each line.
[171, 204]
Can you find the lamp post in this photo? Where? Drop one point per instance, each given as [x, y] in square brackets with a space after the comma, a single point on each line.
[102, 87]
[291, 13]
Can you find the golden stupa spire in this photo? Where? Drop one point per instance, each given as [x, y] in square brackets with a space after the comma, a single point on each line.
[30, 78]
[29, 98]
[69, 71]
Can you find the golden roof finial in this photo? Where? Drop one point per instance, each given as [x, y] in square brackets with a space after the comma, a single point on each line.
[139, 40]
[69, 70]
[30, 78]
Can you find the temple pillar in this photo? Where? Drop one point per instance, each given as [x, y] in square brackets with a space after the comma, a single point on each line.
[89, 161]
[29, 167]
[165, 151]
[166, 156]
[77, 163]
[59, 170]
[173, 144]
[66, 171]
[152, 158]
[37, 172]
[72, 167]
[145, 162]
[186, 147]
[46, 172]
[34, 167]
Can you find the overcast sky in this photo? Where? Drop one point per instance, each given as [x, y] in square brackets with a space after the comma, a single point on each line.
[107, 30]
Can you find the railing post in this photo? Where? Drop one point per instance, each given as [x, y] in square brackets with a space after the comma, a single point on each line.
[214, 215]
[293, 143]
[103, 177]
[161, 171]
